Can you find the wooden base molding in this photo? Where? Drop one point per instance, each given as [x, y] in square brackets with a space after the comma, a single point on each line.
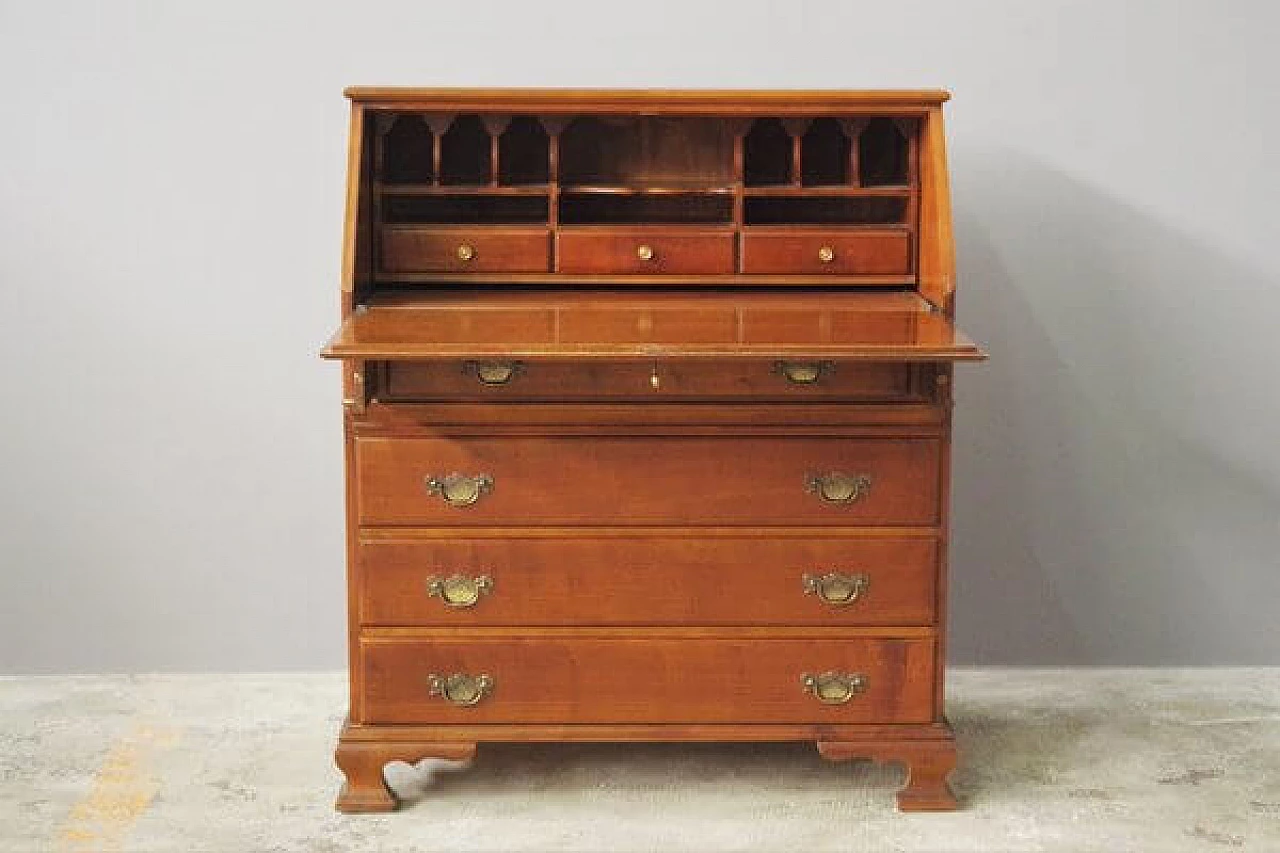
[366, 789]
[928, 764]
[928, 753]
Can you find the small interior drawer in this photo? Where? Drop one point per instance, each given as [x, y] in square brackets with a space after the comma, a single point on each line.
[641, 251]
[416, 248]
[826, 252]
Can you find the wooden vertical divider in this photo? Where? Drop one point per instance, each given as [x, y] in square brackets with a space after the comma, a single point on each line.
[852, 128]
[740, 129]
[553, 126]
[495, 126]
[796, 127]
[439, 124]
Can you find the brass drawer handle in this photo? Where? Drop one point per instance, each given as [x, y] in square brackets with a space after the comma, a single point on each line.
[458, 590]
[837, 588]
[459, 688]
[644, 252]
[466, 252]
[834, 688]
[838, 488]
[826, 254]
[804, 372]
[494, 372]
[459, 489]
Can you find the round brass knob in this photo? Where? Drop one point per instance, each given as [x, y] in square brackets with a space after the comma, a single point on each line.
[644, 252]
[826, 254]
[460, 688]
[466, 252]
[834, 688]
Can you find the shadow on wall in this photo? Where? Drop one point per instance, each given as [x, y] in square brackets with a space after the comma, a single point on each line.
[1117, 482]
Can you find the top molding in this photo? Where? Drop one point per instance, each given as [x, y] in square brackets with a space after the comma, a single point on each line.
[651, 101]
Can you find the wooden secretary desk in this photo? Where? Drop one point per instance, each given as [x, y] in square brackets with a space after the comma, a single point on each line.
[647, 418]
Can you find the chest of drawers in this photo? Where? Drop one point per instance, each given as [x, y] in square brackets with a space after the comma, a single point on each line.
[647, 417]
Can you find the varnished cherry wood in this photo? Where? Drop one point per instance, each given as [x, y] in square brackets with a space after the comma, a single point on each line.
[426, 248]
[927, 751]
[365, 789]
[663, 578]
[638, 534]
[609, 325]
[570, 379]
[534, 281]
[650, 250]
[877, 252]
[651, 101]
[615, 679]
[928, 764]
[882, 420]
[676, 480]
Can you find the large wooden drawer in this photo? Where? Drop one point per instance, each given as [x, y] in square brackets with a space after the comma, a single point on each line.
[647, 480]
[645, 251]
[826, 252]
[419, 248]
[647, 678]
[754, 379]
[523, 578]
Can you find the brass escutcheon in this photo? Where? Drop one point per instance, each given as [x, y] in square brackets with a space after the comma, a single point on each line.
[836, 587]
[466, 252]
[834, 688]
[494, 372]
[644, 252]
[826, 254]
[804, 372]
[838, 488]
[458, 489]
[458, 590]
[459, 688]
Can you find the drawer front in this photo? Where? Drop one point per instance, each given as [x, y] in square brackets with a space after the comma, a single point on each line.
[636, 580]
[753, 379]
[646, 679]
[645, 251]
[827, 253]
[407, 248]
[635, 480]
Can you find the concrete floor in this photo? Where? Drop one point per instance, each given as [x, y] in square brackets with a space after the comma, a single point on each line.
[1052, 760]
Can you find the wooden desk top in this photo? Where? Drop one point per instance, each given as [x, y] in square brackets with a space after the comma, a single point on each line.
[645, 324]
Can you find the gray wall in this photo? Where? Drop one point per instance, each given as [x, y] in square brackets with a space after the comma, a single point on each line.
[170, 212]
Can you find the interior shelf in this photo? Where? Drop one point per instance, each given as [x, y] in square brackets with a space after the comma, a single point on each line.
[389, 189]
[827, 190]
[465, 208]
[643, 207]
[824, 210]
[690, 189]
